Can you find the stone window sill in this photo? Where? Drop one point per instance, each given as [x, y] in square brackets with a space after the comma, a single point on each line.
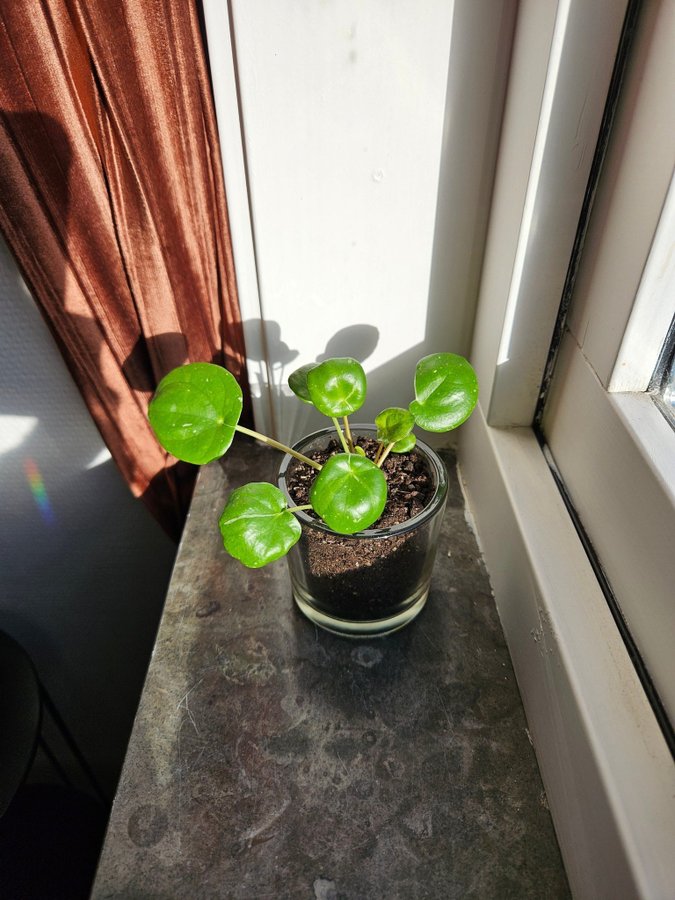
[271, 759]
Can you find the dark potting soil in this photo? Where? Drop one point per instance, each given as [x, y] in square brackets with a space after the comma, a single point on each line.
[367, 578]
[410, 485]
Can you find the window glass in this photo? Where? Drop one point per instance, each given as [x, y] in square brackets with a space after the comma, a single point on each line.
[668, 388]
[663, 380]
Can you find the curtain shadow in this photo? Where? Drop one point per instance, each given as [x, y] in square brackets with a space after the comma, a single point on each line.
[170, 347]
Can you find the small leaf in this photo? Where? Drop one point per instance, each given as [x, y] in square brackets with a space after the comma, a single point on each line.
[358, 449]
[405, 445]
[446, 391]
[349, 493]
[194, 411]
[394, 424]
[257, 526]
[297, 382]
[337, 387]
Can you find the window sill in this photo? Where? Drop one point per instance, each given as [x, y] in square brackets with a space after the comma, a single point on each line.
[608, 773]
[271, 759]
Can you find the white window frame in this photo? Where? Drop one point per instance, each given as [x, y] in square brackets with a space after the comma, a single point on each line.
[607, 770]
[612, 446]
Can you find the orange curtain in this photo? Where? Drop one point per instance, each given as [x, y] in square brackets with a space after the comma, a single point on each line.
[112, 201]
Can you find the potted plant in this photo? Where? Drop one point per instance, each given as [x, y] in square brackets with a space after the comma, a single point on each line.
[357, 508]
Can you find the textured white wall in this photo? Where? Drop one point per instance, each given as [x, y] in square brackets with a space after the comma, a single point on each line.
[83, 567]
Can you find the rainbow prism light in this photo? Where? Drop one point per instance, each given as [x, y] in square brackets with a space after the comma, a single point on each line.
[38, 490]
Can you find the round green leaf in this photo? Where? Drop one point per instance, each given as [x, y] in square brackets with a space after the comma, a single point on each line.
[405, 445]
[446, 392]
[349, 493]
[297, 382]
[394, 424]
[194, 411]
[337, 387]
[257, 526]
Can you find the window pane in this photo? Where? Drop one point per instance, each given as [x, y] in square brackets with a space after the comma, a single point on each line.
[668, 387]
[663, 380]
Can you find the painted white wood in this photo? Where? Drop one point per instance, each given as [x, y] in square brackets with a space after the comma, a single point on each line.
[523, 286]
[631, 194]
[527, 78]
[609, 777]
[224, 80]
[342, 108]
[653, 310]
[615, 450]
[474, 103]
[355, 119]
[616, 453]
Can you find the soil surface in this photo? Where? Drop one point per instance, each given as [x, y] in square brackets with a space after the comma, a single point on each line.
[362, 578]
[410, 485]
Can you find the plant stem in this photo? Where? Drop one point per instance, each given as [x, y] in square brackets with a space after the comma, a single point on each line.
[348, 432]
[299, 508]
[379, 452]
[278, 446]
[386, 453]
[341, 435]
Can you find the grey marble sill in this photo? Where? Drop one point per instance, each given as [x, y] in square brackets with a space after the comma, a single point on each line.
[270, 759]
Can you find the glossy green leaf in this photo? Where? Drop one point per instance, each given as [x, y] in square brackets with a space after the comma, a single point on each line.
[256, 525]
[194, 411]
[446, 392]
[349, 493]
[394, 424]
[405, 445]
[297, 382]
[337, 387]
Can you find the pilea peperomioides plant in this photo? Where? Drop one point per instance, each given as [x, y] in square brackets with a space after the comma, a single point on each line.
[195, 412]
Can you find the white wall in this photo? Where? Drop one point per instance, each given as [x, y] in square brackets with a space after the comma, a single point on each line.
[82, 577]
[344, 126]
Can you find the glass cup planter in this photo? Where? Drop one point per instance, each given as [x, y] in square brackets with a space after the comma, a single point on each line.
[373, 582]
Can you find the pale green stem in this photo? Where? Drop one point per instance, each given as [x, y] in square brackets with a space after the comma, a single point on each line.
[278, 446]
[299, 508]
[379, 452]
[386, 453]
[340, 434]
[348, 432]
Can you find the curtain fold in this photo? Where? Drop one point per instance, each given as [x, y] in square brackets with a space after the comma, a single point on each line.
[112, 201]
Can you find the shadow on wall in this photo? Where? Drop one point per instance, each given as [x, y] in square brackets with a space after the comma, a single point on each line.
[290, 418]
[423, 264]
[388, 385]
[83, 567]
[391, 384]
[357, 341]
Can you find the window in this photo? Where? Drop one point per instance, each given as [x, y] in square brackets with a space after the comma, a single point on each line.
[614, 448]
[605, 762]
[666, 382]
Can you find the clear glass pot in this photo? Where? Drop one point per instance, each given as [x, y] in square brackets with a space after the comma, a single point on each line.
[373, 582]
